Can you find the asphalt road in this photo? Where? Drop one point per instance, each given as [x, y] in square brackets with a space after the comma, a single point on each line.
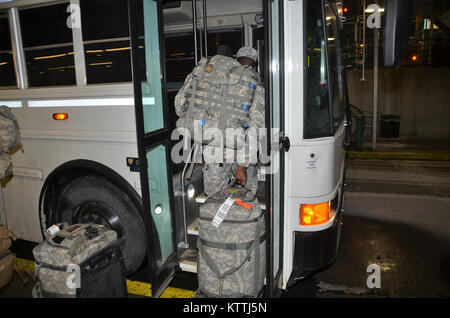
[397, 216]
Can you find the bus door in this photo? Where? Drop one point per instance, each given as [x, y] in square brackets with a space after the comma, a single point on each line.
[153, 136]
[277, 144]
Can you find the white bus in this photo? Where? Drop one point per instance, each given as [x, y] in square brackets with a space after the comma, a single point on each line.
[92, 84]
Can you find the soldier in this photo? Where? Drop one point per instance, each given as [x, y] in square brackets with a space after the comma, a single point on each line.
[237, 104]
[218, 176]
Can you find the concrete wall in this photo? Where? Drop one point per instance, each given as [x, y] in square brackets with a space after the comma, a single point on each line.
[420, 96]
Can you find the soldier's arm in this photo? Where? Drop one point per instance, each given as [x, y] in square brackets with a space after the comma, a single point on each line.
[257, 120]
[181, 97]
[258, 110]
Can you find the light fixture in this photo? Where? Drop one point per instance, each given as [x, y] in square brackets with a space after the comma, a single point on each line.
[158, 209]
[190, 191]
[372, 10]
[60, 116]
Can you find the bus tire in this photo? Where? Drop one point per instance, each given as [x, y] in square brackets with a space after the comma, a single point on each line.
[93, 199]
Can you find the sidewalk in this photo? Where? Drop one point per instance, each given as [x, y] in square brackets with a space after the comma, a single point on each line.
[403, 149]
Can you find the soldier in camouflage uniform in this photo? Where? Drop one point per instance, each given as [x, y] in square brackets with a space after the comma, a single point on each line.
[223, 93]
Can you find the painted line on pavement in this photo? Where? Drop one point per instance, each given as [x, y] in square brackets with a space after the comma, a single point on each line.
[134, 287]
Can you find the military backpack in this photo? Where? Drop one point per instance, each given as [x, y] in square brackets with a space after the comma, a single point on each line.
[217, 95]
[9, 128]
[7, 259]
[82, 260]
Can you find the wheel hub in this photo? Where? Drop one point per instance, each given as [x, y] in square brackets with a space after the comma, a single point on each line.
[93, 212]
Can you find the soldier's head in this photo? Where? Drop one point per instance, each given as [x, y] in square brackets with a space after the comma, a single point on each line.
[247, 56]
[224, 50]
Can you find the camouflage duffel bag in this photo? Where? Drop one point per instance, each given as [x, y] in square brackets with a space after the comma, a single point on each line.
[82, 261]
[231, 248]
[7, 259]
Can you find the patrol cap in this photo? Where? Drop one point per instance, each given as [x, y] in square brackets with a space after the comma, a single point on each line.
[247, 51]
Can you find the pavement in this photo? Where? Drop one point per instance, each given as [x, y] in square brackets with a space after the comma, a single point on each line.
[396, 217]
[436, 149]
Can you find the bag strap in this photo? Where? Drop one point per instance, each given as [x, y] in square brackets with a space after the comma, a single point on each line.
[257, 260]
[232, 246]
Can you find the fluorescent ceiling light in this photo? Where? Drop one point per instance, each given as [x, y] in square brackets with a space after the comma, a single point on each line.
[82, 102]
[372, 10]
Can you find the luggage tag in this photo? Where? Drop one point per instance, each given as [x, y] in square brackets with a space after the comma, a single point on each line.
[222, 212]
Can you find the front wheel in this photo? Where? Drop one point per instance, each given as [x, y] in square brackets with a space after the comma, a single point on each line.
[93, 199]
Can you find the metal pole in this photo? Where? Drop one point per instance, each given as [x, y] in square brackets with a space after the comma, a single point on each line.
[363, 78]
[194, 28]
[17, 48]
[375, 88]
[193, 150]
[205, 28]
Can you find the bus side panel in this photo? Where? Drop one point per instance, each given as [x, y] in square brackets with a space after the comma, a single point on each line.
[101, 134]
[315, 171]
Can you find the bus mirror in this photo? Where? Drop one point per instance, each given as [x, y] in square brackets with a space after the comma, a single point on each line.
[397, 29]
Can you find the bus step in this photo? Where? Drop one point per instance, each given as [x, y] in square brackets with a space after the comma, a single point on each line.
[193, 227]
[188, 261]
[201, 198]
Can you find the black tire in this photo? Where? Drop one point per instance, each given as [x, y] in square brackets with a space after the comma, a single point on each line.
[93, 199]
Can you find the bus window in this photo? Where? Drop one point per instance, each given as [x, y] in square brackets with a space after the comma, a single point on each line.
[180, 50]
[106, 41]
[179, 56]
[234, 39]
[333, 47]
[317, 117]
[48, 45]
[7, 74]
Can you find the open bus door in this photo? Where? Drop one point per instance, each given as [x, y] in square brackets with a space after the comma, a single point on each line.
[274, 85]
[153, 133]
[153, 136]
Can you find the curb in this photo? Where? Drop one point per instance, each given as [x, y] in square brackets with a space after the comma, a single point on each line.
[426, 156]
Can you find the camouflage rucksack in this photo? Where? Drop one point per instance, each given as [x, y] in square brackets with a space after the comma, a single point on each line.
[231, 246]
[7, 259]
[218, 94]
[9, 128]
[83, 260]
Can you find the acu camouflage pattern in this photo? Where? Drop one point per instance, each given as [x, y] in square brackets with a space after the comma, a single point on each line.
[218, 177]
[247, 51]
[5, 160]
[52, 259]
[231, 258]
[9, 138]
[9, 128]
[7, 259]
[220, 93]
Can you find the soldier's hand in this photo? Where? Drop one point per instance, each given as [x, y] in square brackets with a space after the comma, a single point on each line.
[241, 175]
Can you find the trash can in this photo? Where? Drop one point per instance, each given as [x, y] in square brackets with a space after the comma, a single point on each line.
[389, 126]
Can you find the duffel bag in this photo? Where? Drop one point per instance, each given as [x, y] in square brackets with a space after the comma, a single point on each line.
[231, 247]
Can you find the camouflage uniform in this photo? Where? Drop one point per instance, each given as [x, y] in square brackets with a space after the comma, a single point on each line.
[220, 93]
[5, 160]
[9, 139]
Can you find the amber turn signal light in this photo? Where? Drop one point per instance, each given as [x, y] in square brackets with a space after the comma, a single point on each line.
[314, 214]
[60, 116]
